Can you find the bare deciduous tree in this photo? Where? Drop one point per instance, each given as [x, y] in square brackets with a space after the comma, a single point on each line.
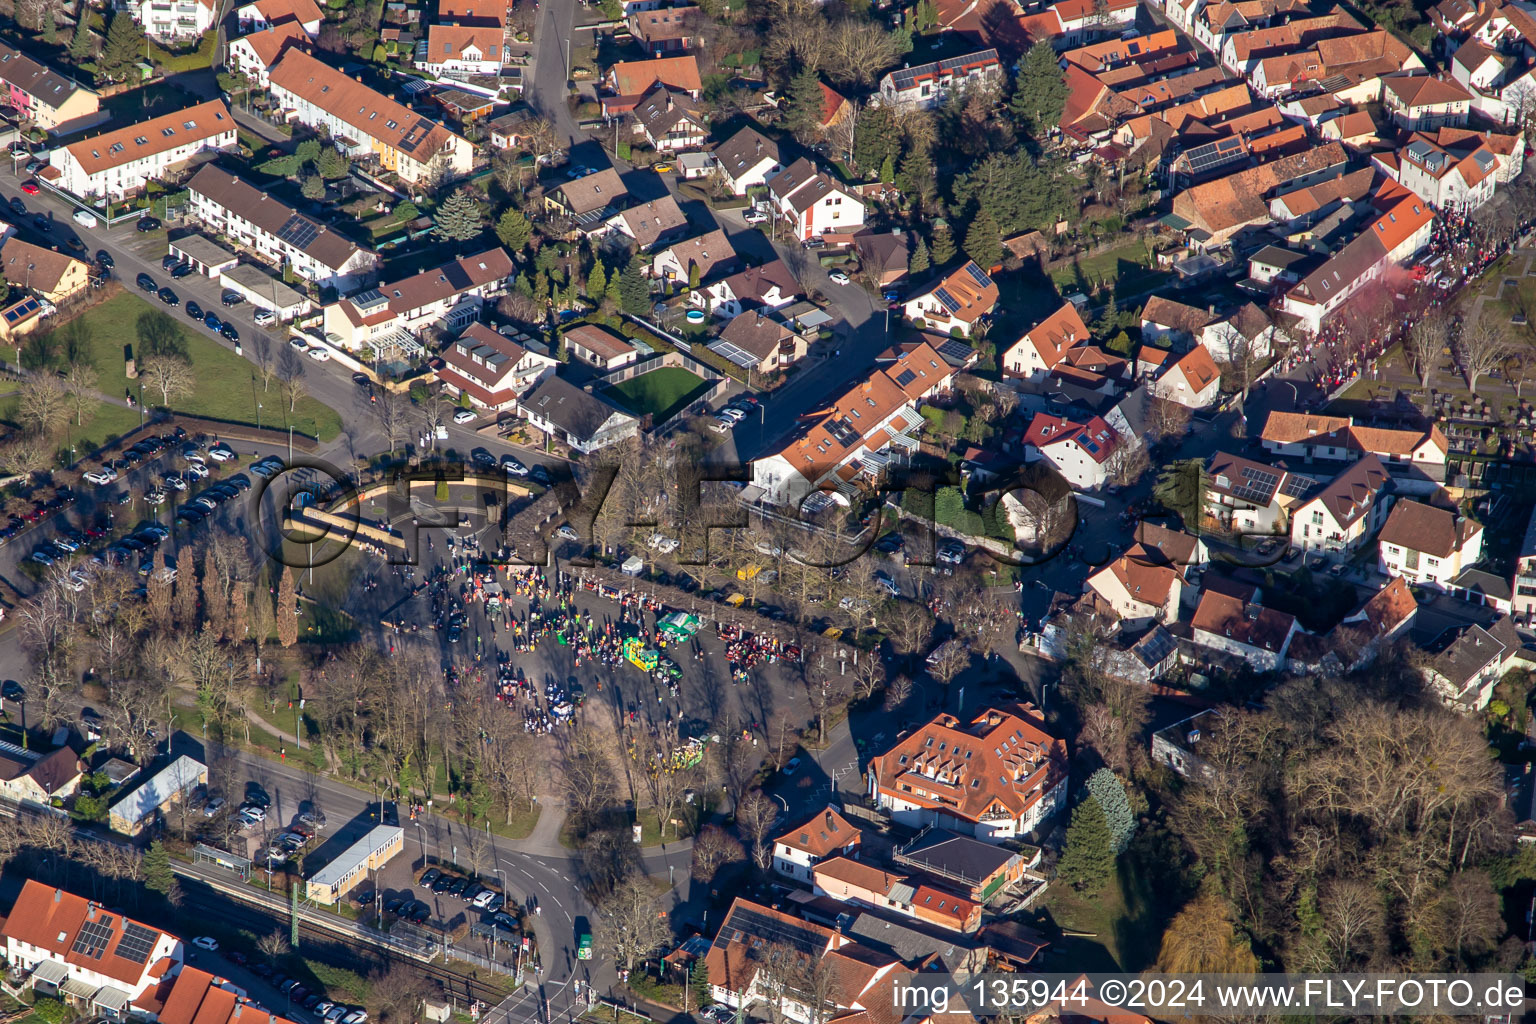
[169, 375]
[755, 815]
[1481, 345]
[1427, 340]
[631, 924]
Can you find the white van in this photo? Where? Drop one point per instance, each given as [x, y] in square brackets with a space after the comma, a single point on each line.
[85, 218]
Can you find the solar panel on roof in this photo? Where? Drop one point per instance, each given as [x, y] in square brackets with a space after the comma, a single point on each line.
[299, 231]
[755, 924]
[906, 377]
[942, 294]
[94, 938]
[978, 275]
[22, 310]
[137, 942]
[1297, 486]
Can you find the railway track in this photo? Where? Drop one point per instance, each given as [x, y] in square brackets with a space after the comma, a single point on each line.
[253, 915]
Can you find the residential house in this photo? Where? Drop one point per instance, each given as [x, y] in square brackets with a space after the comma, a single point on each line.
[632, 80]
[1467, 662]
[707, 256]
[810, 203]
[670, 121]
[1346, 512]
[953, 303]
[770, 286]
[50, 100]
[1276, 265]
[1173, 547]
[43, 272]
[1166, 320]
[998, 776]
[747, 159]
[174, 21]
[191, 996]
[827, 834]
[507, 130]
[365, 124]
[1082, 450]
[264, 14]
[1362, 634]
[576, 418]
[1427, 544]
[1476, 586]
[21, 318]
[464, 50]
[26, 778]
[281, 236]
[851, 881]
[1141, 588]
[450, 296]
[852, 442]
[76, 948]
[835, 108]
[1248, 334]
[134, 812]
[1423, 102]
[756, 945]
[491, 369]
[599, 347]
[1403, 228]
[658, 222]
[884, 254]
[256, 54]
[589, 201]
[1354, 128]
[1036, 354]
[1243, 628]
[977, 870]
[665, 32]
[1250, 498]
[928, 86]
[1192, 380]
[121, 163]
[757, 341]
[1414, 458]
[1223, 206]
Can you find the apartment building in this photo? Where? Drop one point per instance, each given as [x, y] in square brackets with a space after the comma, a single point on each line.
[997, 777]
[276, 232]
[1140, 587]
[50, 100]
[853, 441]
[928, 86]
[366, 124]
[120, 163]
[171, 21]
[256, 54]
[491, 369]
[264, 14]
[449, 296]
[1340, 517]
[1414, 458]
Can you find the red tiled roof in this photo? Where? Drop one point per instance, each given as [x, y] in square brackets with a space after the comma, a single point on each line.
[51, 919]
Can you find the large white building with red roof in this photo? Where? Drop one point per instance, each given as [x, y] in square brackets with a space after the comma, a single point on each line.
[89, 954]
[996, 777]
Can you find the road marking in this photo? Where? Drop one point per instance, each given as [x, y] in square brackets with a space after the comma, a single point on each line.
[543, 886]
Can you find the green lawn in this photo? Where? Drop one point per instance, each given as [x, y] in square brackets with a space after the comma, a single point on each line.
[1126, 267]
[1120, 929]
[227, 388]
[107, 423]
[661, 392]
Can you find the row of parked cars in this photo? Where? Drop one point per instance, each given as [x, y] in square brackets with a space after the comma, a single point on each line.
[736, 410]
[315, 1002]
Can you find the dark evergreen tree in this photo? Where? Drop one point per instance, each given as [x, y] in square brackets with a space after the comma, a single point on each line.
[80, 47]
[918, 261]
[802, 106]
[1088, 862]
[458, 218]
[634, 294]
[124, 48]
[983, 241]
[942, 248]
[1041, 92]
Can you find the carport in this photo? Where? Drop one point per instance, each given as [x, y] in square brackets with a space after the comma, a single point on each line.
[207, 257]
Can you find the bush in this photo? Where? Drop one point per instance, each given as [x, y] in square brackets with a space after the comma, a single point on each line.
[51, 1011]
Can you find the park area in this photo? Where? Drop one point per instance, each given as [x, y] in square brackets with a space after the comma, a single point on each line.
[662, 392]
[227, 386]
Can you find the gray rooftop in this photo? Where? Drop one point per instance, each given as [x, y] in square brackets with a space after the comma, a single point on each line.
[378, 837]
[179, 777]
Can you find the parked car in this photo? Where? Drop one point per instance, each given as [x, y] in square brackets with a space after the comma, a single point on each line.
[146, 283]
[214, 806]
[263, 317]
[169, 297]
[838, 277]
[147, 224]
[206, 942]
[194, 311]
[463, 416]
